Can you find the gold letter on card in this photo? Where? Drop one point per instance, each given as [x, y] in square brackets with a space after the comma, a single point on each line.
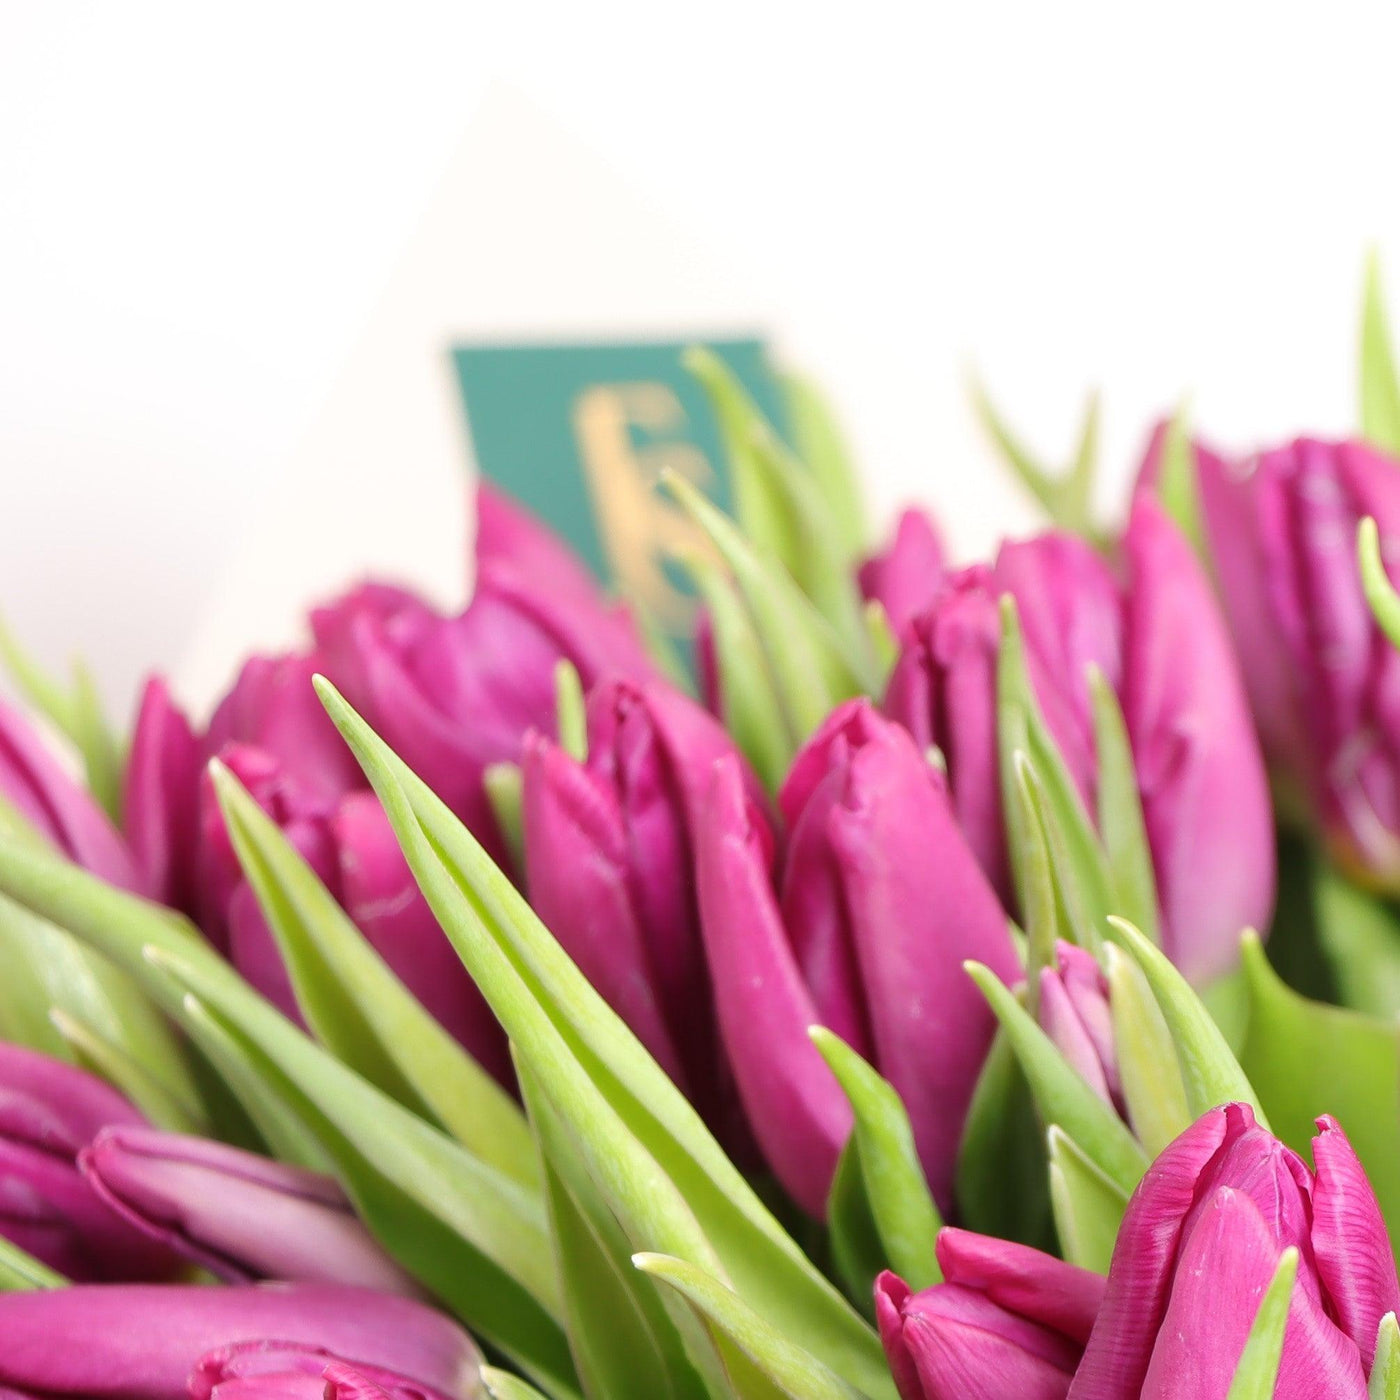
[638, 525]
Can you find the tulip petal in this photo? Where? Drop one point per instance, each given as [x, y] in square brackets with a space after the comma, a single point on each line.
[161, 797]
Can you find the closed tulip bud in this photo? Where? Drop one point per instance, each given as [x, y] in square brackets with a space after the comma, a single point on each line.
[904, 577]
[173, 1343]
[1074, 1012]
[34, 784]
[877, 906]
[241, 1216]
[1007, 1323]
[610, 862]
[258, 1371]
[1199, 1244]
[50, 1112]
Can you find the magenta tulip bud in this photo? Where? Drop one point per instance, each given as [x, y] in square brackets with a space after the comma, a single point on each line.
[905, 576]
[1074, 1012]
[1007, 1323]
[172, 1343]
[509, 536]
[879, 903]
[1199, 1244]
[258, 1371]
[241, 1216]
[50, 1112]
[610, 860]
[33, 782]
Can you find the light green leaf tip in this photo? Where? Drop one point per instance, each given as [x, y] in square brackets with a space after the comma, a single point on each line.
[1380, 388]
[1209, 1069]
[505, 791]
[22, 1273]
[1380, 592]
[1263, 1349]
[1177, 486]
[501, 1385]
[1385, 1371]
[900, 1202]
[570, 710]
[1088, 1207]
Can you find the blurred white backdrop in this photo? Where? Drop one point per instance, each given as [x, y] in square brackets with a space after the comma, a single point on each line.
[216, 223]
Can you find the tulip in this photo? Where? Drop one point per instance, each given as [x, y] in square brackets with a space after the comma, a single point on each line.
[241, 1216]
[259, 1371]
[904, 577]
[1280, 531]
[168, 1342]
[1199, 1243]
[34, 784]
[1006, 1323]
[50, 1112]
[1074, 1011]
[1157, 639]
[878, 904]
[609, 855]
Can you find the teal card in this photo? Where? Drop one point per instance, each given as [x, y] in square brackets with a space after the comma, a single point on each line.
[580, 434]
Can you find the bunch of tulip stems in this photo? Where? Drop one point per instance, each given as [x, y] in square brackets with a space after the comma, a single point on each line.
[979, 983]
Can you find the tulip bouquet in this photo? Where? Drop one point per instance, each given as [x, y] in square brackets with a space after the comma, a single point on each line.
[983, 983]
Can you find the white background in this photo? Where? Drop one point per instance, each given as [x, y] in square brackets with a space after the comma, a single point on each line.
[208, 213]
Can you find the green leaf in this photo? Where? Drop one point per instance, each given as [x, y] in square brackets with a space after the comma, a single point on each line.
[1125, 844]
[1061, 1094]
[1307, 1059]
[1088, 1206]
[504, 786]
[570, 710]
[1068, 497]
[887, 1163]
[1380, 592]
[1257, 1371]
[1001, 1186]
[22, 1273]
[1380, 389]
[1040, 902]
[1385, 1370]
[1177, 486]
[819, 443]
[623, 1342]
[1078, 861]
[605, 1086]
[1209, 1070]
[1360, 938]
[791, 1370]
[1153, 1089]
[501, 1385]
[358, 1008]
[813, 669]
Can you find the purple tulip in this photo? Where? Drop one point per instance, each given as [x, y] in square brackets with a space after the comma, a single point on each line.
[1158, 640]
[904, 577]
[172, 1342]
[1007, 1323]
[609, 855]
[271, 1372]
[1074, 1012]
[33, 782]
[50, 1112]
[1324, 683]
[1199, 1243]
[878, 904]
[241, 1216]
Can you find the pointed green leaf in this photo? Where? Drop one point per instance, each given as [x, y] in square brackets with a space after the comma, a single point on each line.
[604, 1084]
[1147, 1063]
[504, 786]
[35, 685]
[900, 1202]
[358, 1008]
[1307, 1059]
[1385, 1371]
[1061, 1094]
[1359, 934]
[1380, 388]
[501, 1385]
[792, 1371]
[570, 710]
[623, 1342]
[1380, 592]
[1257, 1371]
[1040, 904]
[22, 1273]
[820, 444]
[1209, 1070]
[1131, 874]
[1088, 1206]
[857, 1253]
[1177, 486]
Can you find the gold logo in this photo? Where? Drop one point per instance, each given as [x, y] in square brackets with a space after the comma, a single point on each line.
[639, 526]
